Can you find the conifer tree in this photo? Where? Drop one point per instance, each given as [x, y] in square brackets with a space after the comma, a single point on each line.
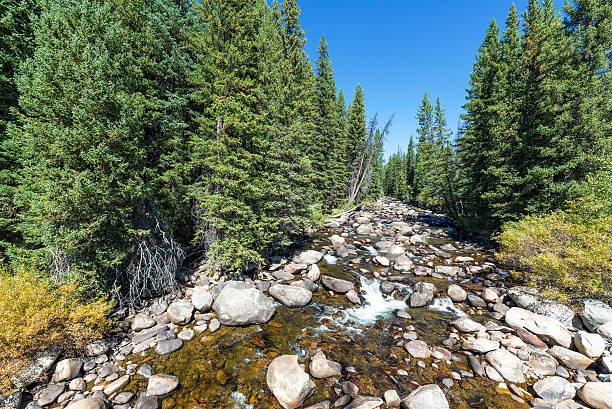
[424, 154]
[355, 129]
[410, 163]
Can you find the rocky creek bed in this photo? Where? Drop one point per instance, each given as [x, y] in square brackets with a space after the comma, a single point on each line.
[383, 307]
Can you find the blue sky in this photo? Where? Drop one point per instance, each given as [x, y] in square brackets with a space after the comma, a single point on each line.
[400, 49]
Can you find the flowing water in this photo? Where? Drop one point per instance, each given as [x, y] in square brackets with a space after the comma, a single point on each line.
[227, 369]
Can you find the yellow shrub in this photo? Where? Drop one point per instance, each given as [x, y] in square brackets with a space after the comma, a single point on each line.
[558, 252]
[35, 315]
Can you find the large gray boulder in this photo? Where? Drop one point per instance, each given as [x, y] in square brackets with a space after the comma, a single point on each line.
[308, 257]
[507, 364]
[548, 329]
[39, 365]
[426, 397]
[180, 312]
[291, 295]
[288, 381]
[571, 359]
[241, 304]
[529, 299]
[595, 313]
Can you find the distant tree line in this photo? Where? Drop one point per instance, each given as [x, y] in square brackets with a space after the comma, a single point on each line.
[537, 122]
[133, 132]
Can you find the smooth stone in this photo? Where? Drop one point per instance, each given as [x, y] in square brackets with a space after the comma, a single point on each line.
[308, 257]
[507, 364]
[482, 346]
[418, 349]
[597, 394]
[107, 369]
[591, 345]
[337, 285]
[93, 402]
[605, 330]
[571, 359]
[147, 402]
[353, 297]
[467, 325]
[77, 384]
[426, 397]
[241, 304]
[288, 381]
[392, 398]
[290, 295]
[67, 369]
[554, 388]
[116, 385]
[314, 273]
[201, 298]
[145, 371]
[456, 293]
[168, 346]
[529, 299]
[214, 325]
[180, 312]
[321, 367]
[595, 313]
[142, 321]
[48, 395]
[365, 402]
[546, 328]
[350, 388]
[383, 261]
[186, 334]
[422, 295]
[161, 385]
[364, 229]
[123, 398]
[450, 271]
[542, 363]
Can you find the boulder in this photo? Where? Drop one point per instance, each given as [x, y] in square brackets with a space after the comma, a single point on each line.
[554, 388]
[426, 397]
[201, 298]
[418, 349]
[308, 257]
[180, 312]
[422, 295]
[291, 295]
[480, 345]
[364, 229]
[162, 385]
[448, 270]
[591, 345]
[288, 381]
[595, 313]
[489, 295]
[605, 330]
[353, 297]
[546, 328]
[241, 304]
[33, 370]
[48, 395]
[147, 402]
[507, 364]
[403, 263]
[92, 402]
[596, 394]
[337, 285]
[542, 363]
[467, 325]
[392, 398]
[142, 321]
[321, 367]
[529, 299]
[571, 359]
[67, 369]
[456, 293]
[383, 261]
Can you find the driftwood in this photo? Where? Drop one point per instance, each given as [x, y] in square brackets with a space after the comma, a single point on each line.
[346, 212]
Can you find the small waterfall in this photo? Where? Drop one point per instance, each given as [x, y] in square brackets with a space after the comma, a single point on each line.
[376, 304]
[445, 304]
[329, 259]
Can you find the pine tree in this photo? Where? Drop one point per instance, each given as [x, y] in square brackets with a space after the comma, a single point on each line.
[424, 153]
[355, 133]
[101, 105]
[410, 163]
[377, 188]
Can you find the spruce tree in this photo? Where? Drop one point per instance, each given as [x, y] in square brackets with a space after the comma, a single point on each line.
[424, 150]
[355, 131]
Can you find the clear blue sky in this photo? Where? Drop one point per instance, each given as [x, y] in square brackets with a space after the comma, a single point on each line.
[400, 49]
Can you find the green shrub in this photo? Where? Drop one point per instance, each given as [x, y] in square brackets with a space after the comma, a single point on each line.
[35, 315]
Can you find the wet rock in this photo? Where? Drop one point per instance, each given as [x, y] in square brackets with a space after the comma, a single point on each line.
[553, 389]
[529, 299]
[314, 273]
[337, 285]
[365, 402]
[201, 298]
[571, 359]
[180, 312]
[93, 402]
[596, 394]
[48, 395]
[350, 388]
[591, 345]
[422, 295]
[290, 295]
[476, 301]
[67, 369]
[467, 325]
[288, 381]
[392, 398]
[353, 297]
[507, 364]
[595, 313]
[456, 293]
[308, 257]
[142, 321]
[418, 349]
[116, 385]
[145, 371]
[476, 366]
[426, 397]
[403, 314]
[546, 328]
[321, 367]
[482, 346]
[542, 363]
[168, 346]
[161, 385]
[240, 304]
[147, 402]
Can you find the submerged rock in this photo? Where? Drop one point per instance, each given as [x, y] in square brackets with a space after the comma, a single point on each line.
[288, 381]
[161, 385]
[241, 304]
[321, 367]
[365, 402]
